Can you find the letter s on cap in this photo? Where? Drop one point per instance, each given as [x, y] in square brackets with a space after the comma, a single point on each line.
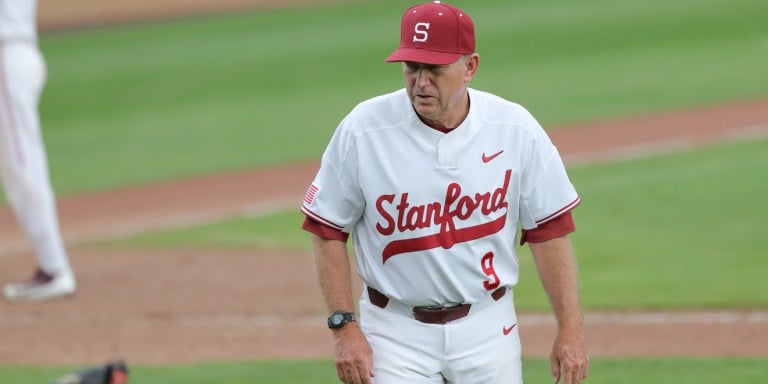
[420, 32]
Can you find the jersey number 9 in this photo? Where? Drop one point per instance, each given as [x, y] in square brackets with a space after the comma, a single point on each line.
[486, 263]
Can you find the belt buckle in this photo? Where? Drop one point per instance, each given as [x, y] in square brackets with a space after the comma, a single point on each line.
[433, 308]
[439, 307]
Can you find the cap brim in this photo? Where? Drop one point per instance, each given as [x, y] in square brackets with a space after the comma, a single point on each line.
[423, 56]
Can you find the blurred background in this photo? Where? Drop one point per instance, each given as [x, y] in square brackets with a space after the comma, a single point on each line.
[155, 111]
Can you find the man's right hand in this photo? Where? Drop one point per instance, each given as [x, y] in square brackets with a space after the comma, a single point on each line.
[353, 355]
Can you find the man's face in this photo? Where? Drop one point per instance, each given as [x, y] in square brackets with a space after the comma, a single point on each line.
[438, 92]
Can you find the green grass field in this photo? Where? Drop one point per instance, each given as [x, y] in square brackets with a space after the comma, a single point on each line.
[602, 371]
[673, 231]
[130, 105]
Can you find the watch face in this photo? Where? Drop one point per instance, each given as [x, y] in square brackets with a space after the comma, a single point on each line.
[338, 319]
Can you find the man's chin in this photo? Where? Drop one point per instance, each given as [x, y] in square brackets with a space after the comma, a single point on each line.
[425, 110]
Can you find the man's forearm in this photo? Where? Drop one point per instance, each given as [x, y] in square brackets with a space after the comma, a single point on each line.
[334, 274]
[558, 272]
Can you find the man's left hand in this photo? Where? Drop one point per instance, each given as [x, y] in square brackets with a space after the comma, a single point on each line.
[569, 360]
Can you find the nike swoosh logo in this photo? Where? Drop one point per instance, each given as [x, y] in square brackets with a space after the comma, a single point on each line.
[491, 157]
[508, 330]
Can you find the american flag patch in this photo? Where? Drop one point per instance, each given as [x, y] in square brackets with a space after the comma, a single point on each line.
[309, 197]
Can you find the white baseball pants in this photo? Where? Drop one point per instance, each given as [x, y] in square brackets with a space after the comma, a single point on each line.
[481, 348]
[23, 161]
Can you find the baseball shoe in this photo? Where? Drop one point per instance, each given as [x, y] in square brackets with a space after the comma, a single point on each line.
[42, 286]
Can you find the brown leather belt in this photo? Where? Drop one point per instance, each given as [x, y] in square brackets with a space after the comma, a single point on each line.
[432, 315]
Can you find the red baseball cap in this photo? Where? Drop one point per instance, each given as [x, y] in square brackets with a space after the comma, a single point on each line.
[434, 33]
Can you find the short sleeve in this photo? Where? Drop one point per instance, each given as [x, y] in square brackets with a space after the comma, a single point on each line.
[334, 198]
[546, 190]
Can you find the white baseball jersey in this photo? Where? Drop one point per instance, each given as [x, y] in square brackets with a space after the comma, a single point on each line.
[17, 19]
[435, 215]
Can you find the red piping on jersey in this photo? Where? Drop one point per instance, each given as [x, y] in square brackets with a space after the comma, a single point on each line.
[559, 212]
[443, 239]
[320, 219]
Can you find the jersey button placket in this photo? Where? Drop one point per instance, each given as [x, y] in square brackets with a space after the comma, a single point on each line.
[446, 152]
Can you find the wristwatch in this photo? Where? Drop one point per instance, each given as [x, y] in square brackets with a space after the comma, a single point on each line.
[337, 319]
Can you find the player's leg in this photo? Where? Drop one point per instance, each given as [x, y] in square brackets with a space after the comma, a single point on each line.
[485, 346]
[404, 350]
[24, 168]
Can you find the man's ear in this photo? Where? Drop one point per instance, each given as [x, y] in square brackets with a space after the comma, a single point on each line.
[471, 64]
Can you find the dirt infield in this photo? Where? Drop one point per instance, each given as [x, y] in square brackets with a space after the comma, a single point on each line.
[181, 305]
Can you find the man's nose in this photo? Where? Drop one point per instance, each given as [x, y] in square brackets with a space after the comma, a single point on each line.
[422, 77]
